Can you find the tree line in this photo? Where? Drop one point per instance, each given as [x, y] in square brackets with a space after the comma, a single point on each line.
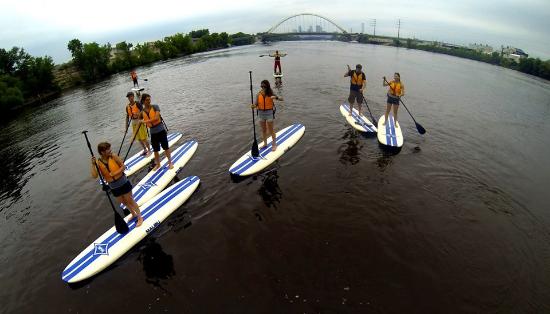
[96, 61]
[24, 78]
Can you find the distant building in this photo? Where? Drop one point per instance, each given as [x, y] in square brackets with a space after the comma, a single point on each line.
[482, 48]
[362, 28]
[318, 29]
[310, 29]
[513, 53]
[299, 28]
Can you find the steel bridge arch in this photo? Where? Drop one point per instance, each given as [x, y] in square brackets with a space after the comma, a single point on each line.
[312, 14]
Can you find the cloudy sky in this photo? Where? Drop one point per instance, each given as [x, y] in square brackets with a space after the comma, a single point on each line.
[45, 27]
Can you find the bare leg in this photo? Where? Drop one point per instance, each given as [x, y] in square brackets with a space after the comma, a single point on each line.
[388, 108]
[170, 164]
[134, 208]
[264, 131]
[273, 136]
[395, 107]
[157, 161]
[350, 108]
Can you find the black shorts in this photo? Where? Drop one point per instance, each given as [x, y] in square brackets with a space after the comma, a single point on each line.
[393, 100]
[355, 95]
[127, 187]
[159, 139]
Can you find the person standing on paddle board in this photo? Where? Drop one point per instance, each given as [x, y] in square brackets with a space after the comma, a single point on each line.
[357, 85]
[112, 170]
[277, 64]
[133, 112]
[396, 91]
[134, 77]
[159, 137]
[266, 111]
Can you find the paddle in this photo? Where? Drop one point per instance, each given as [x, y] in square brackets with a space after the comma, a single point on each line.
[124, 137]
[120, 224]
[255, 151]
[132, 142]
[419, 127]
[371, 116]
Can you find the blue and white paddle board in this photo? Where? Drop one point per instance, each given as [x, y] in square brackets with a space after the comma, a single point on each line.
[389, 134]
[286, 138]
[156, 180]
[138, 161]
[112, 245]
[359, 122]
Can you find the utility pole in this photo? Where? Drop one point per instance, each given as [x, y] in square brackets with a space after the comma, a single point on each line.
[373, 24]
[398, 27]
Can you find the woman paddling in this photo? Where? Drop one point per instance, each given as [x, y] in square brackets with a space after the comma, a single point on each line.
[112, 170]
[266, 111]
[159, 137]
[396, 91]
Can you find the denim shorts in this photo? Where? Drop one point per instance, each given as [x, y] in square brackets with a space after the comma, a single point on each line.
[265, 115]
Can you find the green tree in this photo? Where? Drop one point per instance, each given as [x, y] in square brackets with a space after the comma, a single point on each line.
[75, 47]
[10, 92]
[146, 54]
[199, 33]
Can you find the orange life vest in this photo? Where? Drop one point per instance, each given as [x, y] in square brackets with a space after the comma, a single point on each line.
[133, 110]
[396, 88]
[152, 115]
[106, 169]
[357, 79]
[133, 75]
[264, 103]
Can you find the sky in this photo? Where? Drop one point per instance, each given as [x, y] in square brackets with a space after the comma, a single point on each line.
[45, 27]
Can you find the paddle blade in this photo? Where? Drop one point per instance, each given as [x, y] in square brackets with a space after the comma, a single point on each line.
[420, 129]
[255, 151]
[120, 224]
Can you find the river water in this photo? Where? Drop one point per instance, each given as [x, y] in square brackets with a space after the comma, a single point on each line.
[456, 222]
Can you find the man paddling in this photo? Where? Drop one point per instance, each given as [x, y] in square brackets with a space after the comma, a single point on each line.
[134, 77]
[133, 112]
[357, 85]
[159, 137]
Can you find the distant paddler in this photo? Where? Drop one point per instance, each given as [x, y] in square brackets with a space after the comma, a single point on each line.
[395, 92]
[133, 114]
[277, 64]
[134, 77]
[357, 85]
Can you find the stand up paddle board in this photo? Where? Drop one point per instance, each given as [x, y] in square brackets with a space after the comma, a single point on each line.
[156, 180]
[277, 75]
[137, 89]
[138, 161]
[111, 245]
[388, 134]
[286, 138]
[359, 122]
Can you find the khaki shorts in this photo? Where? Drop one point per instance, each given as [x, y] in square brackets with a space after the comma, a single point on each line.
[142, 133]
[355, 95]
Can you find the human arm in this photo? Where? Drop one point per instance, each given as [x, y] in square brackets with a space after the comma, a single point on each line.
[120, 164]
[93, 169]
[384, 81]
[275, 97]
[348, 73]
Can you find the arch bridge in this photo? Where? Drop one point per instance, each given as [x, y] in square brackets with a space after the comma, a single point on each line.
[306, 23]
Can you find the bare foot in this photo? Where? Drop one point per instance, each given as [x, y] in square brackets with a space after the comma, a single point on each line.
[396, 125]
[274, 148]
[156, 168]
[350, 113]
[265, 144]
[170, 166]
[139, 221]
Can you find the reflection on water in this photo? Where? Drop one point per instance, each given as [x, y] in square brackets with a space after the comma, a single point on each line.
[269, 190]
[349, 150]
[157, 264]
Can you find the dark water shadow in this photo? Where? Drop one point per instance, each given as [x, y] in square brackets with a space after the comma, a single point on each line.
[386, 158]
[270, 191]
[349, 150]
[158, 266]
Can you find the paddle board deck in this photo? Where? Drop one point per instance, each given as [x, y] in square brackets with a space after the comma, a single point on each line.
[138, 161]
[286, 138]
[138, 89]
[278, 75]
[359, 122]
[389, 134]
[112, 245]
[156, 180]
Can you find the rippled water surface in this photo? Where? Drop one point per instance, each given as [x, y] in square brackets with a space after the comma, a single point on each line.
[456, 222]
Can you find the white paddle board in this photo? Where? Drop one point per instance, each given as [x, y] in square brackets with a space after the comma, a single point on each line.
[286, 138]
[156, 180]
[138, 161]
[278, 75]
[112, 245]
[359, 122]
[137, 89]
[388, 134]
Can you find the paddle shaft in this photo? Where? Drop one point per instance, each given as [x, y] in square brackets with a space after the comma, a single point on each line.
[132, 142]
[366, 103]
[124, 137]
[120, 224]
[255, 151]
